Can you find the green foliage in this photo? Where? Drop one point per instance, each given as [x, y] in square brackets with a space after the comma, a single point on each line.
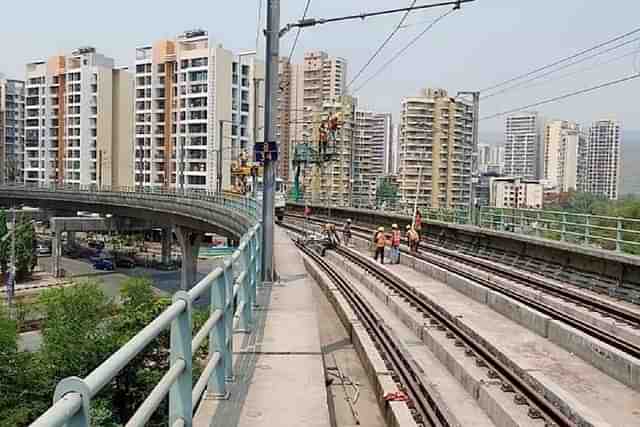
[387, 192]
[25, 251]
[82, 329]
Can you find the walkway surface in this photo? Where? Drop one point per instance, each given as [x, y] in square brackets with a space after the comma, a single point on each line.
[278, 366]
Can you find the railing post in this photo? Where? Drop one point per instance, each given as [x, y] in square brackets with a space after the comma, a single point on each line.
[538, 224]
[216, 387]
[587, 229]
[228, 322]
[563, 236]
[82, 418]
[619, 237]
[180, 393]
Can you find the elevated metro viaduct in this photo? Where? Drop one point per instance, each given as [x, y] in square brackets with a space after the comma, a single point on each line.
[602, 270]
[190, 215]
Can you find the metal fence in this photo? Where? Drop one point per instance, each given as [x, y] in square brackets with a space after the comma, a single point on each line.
[604, 232]
[233, 293]
[229, 297]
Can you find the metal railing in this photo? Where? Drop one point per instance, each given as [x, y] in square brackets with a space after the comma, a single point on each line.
[603, 232]
[232, 291]
[229, 298]
[243, 204]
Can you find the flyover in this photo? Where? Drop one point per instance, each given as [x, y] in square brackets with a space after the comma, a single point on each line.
[190, 213]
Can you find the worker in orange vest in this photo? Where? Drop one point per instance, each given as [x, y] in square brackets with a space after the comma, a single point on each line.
[395, 244]
[380, 241]
[413, 238]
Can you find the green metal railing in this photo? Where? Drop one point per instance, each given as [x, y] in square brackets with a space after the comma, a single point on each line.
[604, 232]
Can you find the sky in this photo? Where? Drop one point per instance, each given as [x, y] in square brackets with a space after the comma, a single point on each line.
[485, 42]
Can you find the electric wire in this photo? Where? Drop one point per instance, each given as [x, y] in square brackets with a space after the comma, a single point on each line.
[564, 96]
[562, 60]
[404, 49]
[382, 46]
[295, 41]
[555, 70]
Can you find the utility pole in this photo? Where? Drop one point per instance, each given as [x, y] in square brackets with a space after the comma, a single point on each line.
[269, 175]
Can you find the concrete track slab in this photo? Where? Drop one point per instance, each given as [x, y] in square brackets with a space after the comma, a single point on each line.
[568, 377]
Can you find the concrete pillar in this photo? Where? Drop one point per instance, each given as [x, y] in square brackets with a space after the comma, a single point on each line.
[56, 252]
[190, 246]
[167, 239]
[71, 239]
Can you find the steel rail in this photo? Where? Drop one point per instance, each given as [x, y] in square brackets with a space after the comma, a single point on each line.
[427, 410]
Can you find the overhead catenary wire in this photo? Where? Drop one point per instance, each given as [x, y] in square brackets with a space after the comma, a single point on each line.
[295, 41]
[564, 96]
[405, 48]
[382, 46]
[555, 70]
[561, 60]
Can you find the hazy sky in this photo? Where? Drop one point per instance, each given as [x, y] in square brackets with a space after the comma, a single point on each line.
[484, 43]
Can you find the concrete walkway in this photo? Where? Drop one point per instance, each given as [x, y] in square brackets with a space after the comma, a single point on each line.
[278, 366]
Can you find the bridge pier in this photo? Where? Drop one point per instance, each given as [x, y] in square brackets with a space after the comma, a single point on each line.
[56, 252]
[167, 237]
[189, 240]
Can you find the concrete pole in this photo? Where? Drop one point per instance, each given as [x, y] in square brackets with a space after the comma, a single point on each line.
[270, 106]
[166, 245]
[190, 246]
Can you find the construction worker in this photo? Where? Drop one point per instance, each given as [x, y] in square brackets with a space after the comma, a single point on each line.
[346, 232]
[324, 138]
[395, 244]
[380, 241]
[331, 238]
[413, 238]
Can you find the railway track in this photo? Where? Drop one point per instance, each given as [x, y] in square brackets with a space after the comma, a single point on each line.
[462, 260]
[539, 407]
[424, 410]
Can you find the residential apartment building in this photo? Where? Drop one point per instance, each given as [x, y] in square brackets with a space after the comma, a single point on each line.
[372, 138]
[436, 150]
[523, 145]
[304, 89]
[510, 192]
[332, 182]
[11, 130]
[196, 112]
[603, 159]
[78, 121]
[565, 149]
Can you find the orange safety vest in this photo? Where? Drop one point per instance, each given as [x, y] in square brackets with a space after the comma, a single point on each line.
[381, 241]
[395, 238]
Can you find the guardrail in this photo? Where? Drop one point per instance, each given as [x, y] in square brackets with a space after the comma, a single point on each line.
[229, 297]
[243, 204]
[620, 234]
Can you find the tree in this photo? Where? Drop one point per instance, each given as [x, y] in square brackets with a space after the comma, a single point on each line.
[386, 192]
[26, 258]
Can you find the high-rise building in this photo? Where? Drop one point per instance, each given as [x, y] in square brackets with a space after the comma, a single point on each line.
[371, 144]
[196, 112]
[332, 183]
[436, 150]
[11, 130]
[603, 159]
[392, 154]
[564, 156]
[523, 145]
[78, 125]
[509, 192]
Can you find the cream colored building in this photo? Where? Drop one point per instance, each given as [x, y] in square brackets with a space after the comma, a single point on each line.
[78, 130]
[436, 151]
[196, 112]
[304, 88]
[564, 156]
[331, 183]
[507, 192]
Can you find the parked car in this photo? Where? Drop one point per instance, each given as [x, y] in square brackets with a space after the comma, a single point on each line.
[124, 262]
[103, 264]
[43, 249]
